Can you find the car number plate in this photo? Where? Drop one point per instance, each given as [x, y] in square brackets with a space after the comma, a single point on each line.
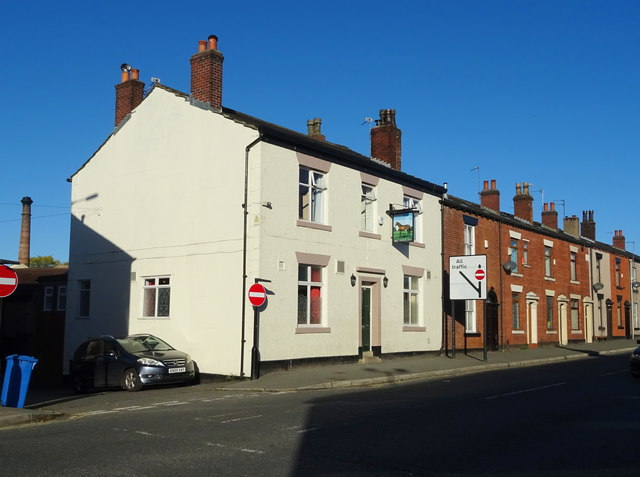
[177, 370]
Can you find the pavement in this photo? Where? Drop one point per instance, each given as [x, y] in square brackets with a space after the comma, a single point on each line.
[40, 403]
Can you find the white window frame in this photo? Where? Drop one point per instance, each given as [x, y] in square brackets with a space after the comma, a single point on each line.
[548, 261]
[84, 298]
[312, 203]
[61, 299]
[573, 266]
[47, 302]
[470, 305]
[409, 202]
[154, 290]
[309, 286]
[367, 208]
[513, 253]
[411, 300]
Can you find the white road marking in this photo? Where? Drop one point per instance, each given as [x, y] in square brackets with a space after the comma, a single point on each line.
[525, 391]
[240, 419]
[615, 372]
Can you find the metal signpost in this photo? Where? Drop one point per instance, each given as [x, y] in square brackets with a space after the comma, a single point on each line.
[468, 281]
[257, 297]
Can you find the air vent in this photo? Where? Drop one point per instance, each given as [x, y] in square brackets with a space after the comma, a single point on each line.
[340, 266]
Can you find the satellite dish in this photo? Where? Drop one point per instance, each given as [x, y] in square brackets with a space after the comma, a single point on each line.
[598, 286]
[509, 266]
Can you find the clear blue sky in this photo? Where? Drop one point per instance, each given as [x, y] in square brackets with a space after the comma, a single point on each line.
[546, 92]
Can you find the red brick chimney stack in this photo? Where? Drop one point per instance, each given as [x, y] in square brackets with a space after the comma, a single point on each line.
[25, 232]
[550, 216]
[588, 225]
[313, 127]
[523, 202]
[490, 197]
[206, 73]
[619, 240]
[386, 139]
[129, 93]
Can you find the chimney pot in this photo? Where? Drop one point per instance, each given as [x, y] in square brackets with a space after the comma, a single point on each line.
[213, 42]
[493, 184]
[202, 46]
[485, 185]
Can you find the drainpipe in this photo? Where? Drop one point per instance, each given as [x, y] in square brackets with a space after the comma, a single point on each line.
[245, 206]
[501, 285]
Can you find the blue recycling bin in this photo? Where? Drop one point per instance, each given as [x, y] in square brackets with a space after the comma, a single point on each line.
[16, 379]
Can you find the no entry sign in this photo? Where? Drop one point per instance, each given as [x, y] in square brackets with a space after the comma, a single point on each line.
[8, 281]
[257, 294]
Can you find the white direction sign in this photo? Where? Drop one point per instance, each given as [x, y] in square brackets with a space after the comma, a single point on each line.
[468, 277]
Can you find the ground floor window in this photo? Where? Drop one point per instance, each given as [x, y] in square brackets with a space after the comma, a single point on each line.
[549, 313]
[470, 316]
[309, 295]
[411, 299]
[575, 315]
[515, 311]
[157, 296]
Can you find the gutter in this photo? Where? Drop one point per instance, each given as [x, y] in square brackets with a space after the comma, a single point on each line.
[244, 248]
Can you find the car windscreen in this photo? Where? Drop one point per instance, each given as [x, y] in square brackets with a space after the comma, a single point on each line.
[135, 344]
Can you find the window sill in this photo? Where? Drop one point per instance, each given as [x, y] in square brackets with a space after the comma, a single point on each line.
[154, 318]
[550, 279]
[574, 282]
[517, 332]
[313, 225]
[576, 332]
[472, 334]
[411, 328]
[552, 332]
[417, 244]
[370, 235]
[518, 275]
[312, 329]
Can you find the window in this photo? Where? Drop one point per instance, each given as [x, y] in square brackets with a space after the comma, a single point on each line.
[619, 311]
[411, 203]
[367, 212]
[309, 295]
[618, 272]
[574, 275]
[470, 316]
[469, 239]
[547, 262]
[513, 254]
[61, 303]
[575, 315]
[598, 267]
[410, 300]
[549, 313]
[157, 295]
[85, 298]
[47, 304]
[525, 252]
[515, 311]
[312, 190]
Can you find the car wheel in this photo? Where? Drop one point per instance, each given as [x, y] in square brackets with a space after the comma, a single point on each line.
[131, 380]
[78, 385]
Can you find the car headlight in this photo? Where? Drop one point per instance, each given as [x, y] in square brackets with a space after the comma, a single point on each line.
[150, 362]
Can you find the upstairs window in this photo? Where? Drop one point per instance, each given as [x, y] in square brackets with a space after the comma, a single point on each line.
[618, 272]
[312, 191]
[47, 304]
[412, 203]
[157, 297]
[367, 209]
[548, 262]
[573, 258]
[469, 239]
[61, 303]
[513, 254]
[84, 303]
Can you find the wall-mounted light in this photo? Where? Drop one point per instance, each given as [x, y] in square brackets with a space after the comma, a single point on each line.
[385, 281]
[353, 280]
[635, 285]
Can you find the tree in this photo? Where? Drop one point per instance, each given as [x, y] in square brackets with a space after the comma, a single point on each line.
[43, 262]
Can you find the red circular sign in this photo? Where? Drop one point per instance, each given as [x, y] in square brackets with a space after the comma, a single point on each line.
[479, 274]
[8, 281]
[257, 294]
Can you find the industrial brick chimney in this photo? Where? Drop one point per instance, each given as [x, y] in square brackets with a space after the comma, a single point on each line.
[490, 197]
[206, 73]
[588, 225]
[619, 240]
[313, 127]
[386, 139]
[550, 215]
[129, 92]
[25, 232]
[523, 202]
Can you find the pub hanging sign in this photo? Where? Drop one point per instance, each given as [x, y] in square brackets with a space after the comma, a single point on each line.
[403, 225]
